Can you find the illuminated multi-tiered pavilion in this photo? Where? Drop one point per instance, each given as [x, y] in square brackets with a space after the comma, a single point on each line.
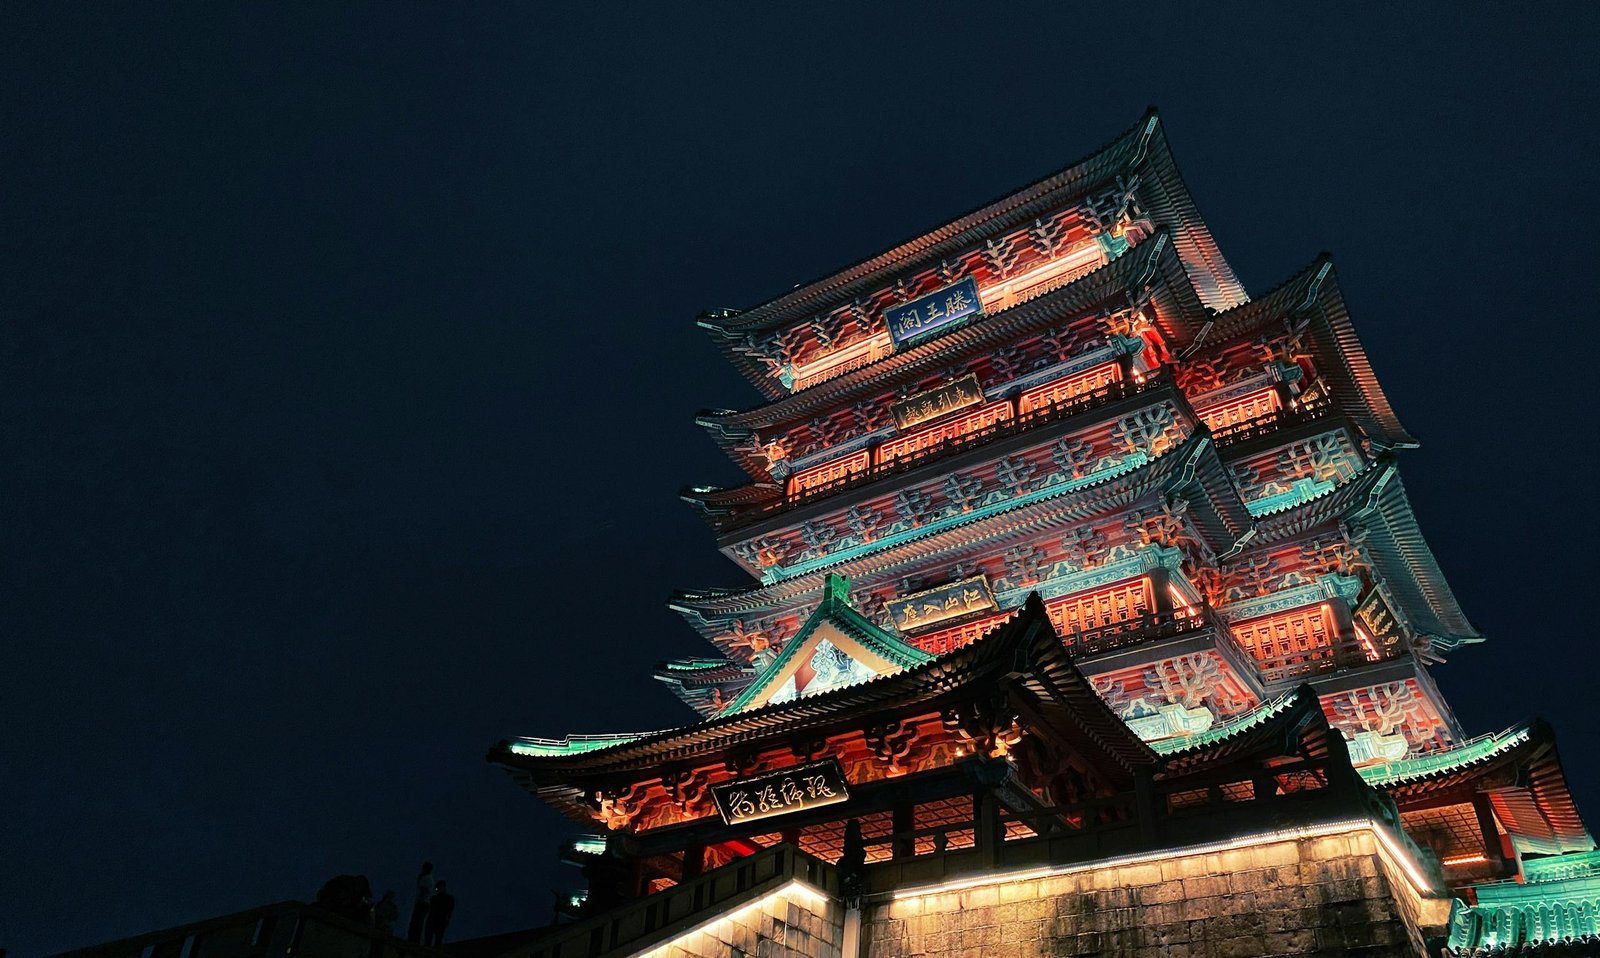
[1064, 551]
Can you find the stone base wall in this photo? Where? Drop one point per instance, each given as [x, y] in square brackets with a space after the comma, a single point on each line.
[776, 927]
[1333, 895]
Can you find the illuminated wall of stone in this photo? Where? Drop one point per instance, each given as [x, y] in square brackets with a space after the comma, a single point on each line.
[1331, 895]
[779, 926]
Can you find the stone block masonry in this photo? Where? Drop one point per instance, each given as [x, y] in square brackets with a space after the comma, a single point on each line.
[778, 926]
[1335, 895]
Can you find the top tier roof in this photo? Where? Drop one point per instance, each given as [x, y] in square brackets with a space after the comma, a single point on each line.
[1141, 150]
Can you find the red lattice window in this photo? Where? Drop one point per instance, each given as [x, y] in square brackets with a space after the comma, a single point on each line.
[1102, 607]
[1301, 635]
[1235, 411]
[814, 476]
[1069, 387]
[948, 640]
[914, 442]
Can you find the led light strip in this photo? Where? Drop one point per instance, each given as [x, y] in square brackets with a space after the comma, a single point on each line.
[1394, 852]
[794, 888]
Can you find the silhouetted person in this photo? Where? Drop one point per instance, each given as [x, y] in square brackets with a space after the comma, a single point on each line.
[440, 907]
[348, 896]
[852, 860]
[385, 913]
[419, 909]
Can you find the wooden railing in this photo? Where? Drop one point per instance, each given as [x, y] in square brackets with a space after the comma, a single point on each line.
[1271, 422]
[1008, 825]
[1299, 664]
[1153, 627]
[1157, 626]
[1149, 627]
[1055, 412]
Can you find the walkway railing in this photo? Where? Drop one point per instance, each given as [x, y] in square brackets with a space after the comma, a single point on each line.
[644, 922]
[1016, 425]
[1271, 422]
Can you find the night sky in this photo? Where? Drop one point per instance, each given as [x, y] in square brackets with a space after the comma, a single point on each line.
[349, 369]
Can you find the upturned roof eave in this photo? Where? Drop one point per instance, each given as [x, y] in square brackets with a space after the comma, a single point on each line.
[962, 231]
[1408, 564]
[1111, 493]
[1315, 290]
[1153, 260]
[1163, 191]
[976, 665]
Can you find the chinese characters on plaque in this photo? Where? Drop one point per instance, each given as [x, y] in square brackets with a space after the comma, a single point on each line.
[932, 311]
[1379, 620]
[933, 403]
[778, 793]
[957, 600]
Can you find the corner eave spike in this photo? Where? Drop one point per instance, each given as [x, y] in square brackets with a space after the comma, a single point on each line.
[836, 588]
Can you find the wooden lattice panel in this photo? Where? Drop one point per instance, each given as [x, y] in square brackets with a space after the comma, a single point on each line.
[1067, 388]
[815, 476]
[1302, 635]
[1450, 831]
[920, 439]
[1235, 411]
[826, 841]
[947, 811]
[1102, 607]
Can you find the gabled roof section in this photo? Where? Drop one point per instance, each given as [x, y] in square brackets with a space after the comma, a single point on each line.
[1142, 150]
[1024, 654]
[1313, 299]
[837, 622]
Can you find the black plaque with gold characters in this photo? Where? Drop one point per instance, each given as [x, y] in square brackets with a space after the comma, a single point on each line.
[779, 793]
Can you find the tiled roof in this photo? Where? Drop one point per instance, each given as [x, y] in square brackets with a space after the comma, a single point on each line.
[1314, 294]
[1025, 651]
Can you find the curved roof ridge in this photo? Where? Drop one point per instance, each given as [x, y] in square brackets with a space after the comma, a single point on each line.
[1151, 471]
[1338, 353]
[801, 293]
[1143, 255]
[1472, 752]
[1271, 297]
[1189, 744]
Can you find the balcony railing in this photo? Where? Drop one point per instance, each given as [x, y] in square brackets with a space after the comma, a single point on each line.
[1271, 422]
[1329, 658]
[1150, 627]
[1347, 652]
[1016, 425]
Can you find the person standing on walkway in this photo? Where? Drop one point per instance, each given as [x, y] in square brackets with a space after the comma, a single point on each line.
[440, 908]
[419, 909]
[386, 912]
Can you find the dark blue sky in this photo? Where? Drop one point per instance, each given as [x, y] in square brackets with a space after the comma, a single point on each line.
[349, 369]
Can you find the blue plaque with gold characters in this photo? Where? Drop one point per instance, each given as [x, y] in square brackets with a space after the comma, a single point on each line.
[933, 311]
